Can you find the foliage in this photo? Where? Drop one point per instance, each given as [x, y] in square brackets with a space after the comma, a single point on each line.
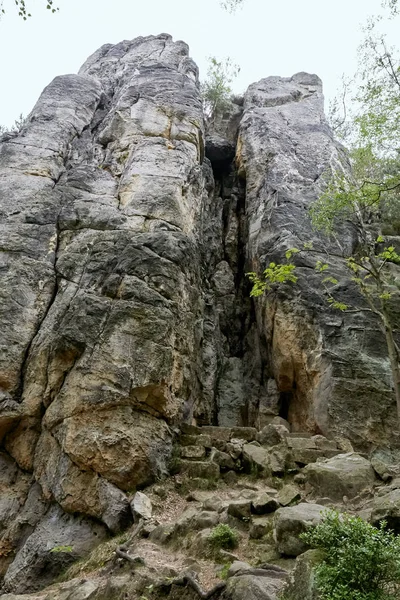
[61, 549]
[223, 536]
[24, 11]
[223, 573]
[232, 5]
[274, 274]
[216, 89]
[14, 129]
[361, 562]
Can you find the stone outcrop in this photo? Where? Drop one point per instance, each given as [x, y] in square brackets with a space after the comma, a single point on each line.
[126, 233]
[331, 370]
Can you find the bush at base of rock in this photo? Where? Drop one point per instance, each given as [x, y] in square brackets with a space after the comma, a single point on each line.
[361, 562]
[223, 536]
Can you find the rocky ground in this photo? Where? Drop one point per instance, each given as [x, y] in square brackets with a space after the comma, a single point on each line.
[168, 552]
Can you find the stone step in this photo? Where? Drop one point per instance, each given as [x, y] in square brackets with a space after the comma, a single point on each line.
[223, 434]
[188, 429]
[202, 469]
[195, 440]
[301, 443]
[193, 452]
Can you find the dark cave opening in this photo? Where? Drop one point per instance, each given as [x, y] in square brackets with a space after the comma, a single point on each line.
[284, 404]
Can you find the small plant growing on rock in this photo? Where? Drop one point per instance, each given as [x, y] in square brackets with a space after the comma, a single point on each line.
[223, 537]
[216, 89]
[361, 562]
[62, 549]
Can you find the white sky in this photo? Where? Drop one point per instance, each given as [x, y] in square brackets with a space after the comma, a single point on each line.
[266, 37]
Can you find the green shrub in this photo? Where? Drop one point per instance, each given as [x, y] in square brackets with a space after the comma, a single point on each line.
[223, 536]
[361, 562]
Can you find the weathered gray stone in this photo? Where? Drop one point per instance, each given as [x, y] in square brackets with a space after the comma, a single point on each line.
[260, 526]
[56, 542]
[386, 463]
[331, 370]
[301, 584]
[289, 494]
[255, 584]
[290, 522]
[300, 443]
[387, 507]
[205, 470]
[123, 306]
[272, 434]
[141, 506]
[204, 440]
[240, 509]
[222, 459]
[193, 452]
[256, 459]
[322, 443]
[343, 475]
[306, 456]
[223, 434]
[235, 448]
[264, 504]
[244, 433]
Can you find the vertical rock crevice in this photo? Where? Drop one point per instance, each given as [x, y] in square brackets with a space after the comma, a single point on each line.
[126, 237]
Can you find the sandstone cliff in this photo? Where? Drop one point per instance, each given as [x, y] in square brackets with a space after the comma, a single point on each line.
[126, 233]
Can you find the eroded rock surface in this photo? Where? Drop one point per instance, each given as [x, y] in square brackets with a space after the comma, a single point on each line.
[331, 370]
[126, 232]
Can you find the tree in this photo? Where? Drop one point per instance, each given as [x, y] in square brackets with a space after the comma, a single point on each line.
[24, 11]
[15, 128]
[360, 561]
[216, 89]
[232, 5]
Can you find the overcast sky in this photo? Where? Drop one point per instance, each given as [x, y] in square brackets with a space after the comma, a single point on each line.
[266, 37]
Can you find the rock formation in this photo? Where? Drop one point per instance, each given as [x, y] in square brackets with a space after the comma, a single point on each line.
[126, 233]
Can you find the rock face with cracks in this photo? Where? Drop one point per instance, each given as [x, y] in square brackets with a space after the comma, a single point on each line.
[125, 235]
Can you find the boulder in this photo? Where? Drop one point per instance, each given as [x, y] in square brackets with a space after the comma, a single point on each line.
[240, 509]
[387, 507]
[260, 526]
[235, 448]
[256, 459]
[255, 584]
[57, 541]
[289, 494]
[222, 459]
[141, 506]
[386, 463]
[343, 475]
[264, 504]
[272, 434]
[290, 522]
[193, 452]
[301, 582]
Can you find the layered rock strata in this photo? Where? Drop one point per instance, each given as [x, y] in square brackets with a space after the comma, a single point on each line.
[126, 233]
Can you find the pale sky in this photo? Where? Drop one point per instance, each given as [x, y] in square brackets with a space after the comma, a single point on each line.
[266, 37]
